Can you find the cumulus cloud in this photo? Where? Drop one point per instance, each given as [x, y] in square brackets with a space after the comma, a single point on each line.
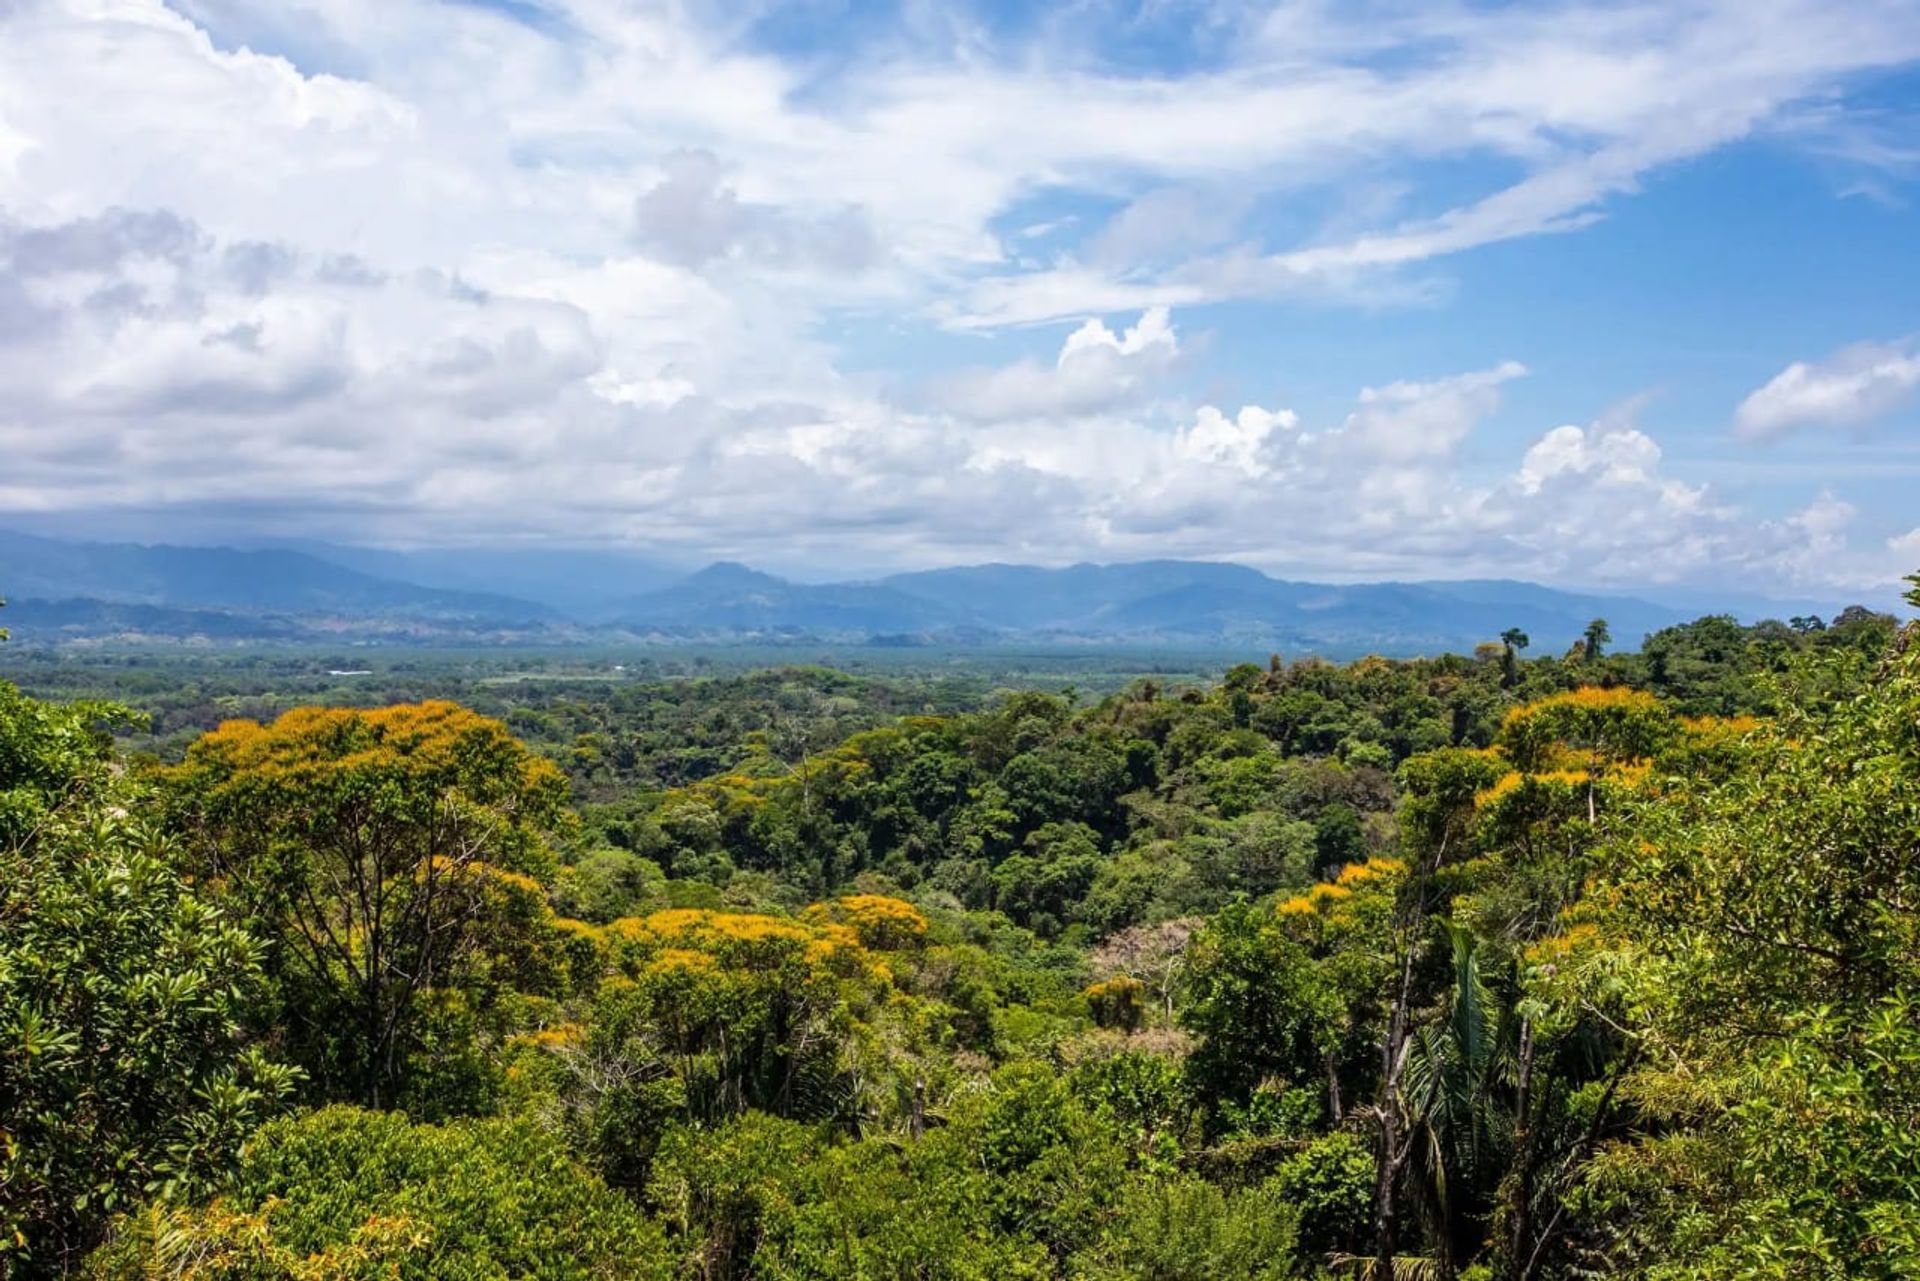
[1620, 458]
[1096, 370]
[1596, 496]
[1241, 442]
[1408, 421]
[1903, 550]
[1854, 386]
[421, 406]
[692, 217]
[101, 243]
[436, 272]
[1811, 545]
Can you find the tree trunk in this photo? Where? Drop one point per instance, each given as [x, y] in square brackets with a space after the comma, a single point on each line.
[1411, 915]
[1520, 1191]
[1386, 1208]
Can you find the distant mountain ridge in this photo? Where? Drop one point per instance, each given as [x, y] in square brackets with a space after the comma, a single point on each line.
[730, 597]
[68, 590]
[226, 578]
[1171, 603]
[584, 585]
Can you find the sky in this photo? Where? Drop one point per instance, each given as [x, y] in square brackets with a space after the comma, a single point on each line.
[1604, 295]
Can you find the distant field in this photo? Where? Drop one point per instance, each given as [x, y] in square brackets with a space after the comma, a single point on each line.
[673, 713]
[309, 668]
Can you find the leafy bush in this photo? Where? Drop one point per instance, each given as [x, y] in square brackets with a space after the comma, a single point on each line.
[1186, 1229]
[121, 1068]
[347, 1194]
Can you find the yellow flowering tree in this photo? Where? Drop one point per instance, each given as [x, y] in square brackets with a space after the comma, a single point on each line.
[881, 923]
[1754, 930]
[705, 1014]
[384, 854]
[1498, 846]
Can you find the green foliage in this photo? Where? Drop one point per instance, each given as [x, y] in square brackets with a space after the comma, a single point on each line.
[1716, 667]
[1338, 838]
[52, 755]
[1763, 947]
[1186, 1229]
[343, 1193]
[766, 1198]
[1471, 966]
[1147, 1095]
[759, 1025]
[1019, 1179]
[1261, 1006]
[605, 884]
[1329, 1184]
[384, 855]
[122, 1073]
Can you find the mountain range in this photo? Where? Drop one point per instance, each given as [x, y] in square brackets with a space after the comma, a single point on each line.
[62, 590]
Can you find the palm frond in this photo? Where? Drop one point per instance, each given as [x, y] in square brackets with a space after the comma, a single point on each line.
[1406, 1267]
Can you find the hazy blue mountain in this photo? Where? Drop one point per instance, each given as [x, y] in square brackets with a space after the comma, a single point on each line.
[1194, 602]
[582, 584]
[35, 621]
[125, 589]
[43, 622]
[1753, 607]
[1028, 597]
[1557, 617]
[224, 578]
[727, 597]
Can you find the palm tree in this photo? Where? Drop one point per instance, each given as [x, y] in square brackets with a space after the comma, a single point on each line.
[1514, 640]
[1454, 1101]
[1596, 635]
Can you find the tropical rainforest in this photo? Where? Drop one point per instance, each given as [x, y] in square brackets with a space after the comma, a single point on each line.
[1476, 966]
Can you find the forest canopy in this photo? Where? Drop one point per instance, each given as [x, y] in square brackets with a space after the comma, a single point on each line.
[1482, 966]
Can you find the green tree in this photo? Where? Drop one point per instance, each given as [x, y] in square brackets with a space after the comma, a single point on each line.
[1182, 1228]
[1594, 639]
[1512, 641]
[1762, 923]
[122, 1068]
[373, 848]
[1437, 822]
[346, 1195]
[1338, 838]
[1257, 1005]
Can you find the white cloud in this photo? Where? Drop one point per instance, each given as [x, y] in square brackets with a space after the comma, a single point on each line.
[1903, 553]
[1239, 442]
[1622, 457]
[555, 129]
[407, 269]
[691, 217]
[420, 407]
[1406, 422]
[1096, 370]
[1854, 386]
[1811, 545]
[1166, 225]
[1586, 101]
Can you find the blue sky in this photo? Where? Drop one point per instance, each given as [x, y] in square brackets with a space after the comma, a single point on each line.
[1604, 294]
